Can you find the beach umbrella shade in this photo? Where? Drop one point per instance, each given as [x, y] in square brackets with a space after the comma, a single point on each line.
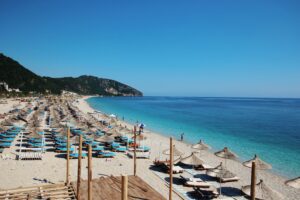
[262, 191]
[295, 183]
[105, 138]
[176, 152]
[201, 146]
[259, 164]
[192, 160]
[226, 154]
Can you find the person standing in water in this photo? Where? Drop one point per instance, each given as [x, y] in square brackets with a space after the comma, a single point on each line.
[181, 136]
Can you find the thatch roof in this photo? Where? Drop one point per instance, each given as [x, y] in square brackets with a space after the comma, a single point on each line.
[176, 152]
[201, 146]
[226, 153]
[262, 191]
[295, 182]
[192, 160]
[259, 164]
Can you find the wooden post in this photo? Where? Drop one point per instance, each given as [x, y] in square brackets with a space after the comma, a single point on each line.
[68, 158]
[134, 152]
[253, 181]
[124, 187]
[90, 173]
[79, 167]
[171, 169]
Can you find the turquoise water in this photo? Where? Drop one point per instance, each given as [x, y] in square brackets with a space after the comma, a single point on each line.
[267, 127]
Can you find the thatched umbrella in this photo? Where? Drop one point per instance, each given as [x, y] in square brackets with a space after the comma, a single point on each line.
[226, 154]
[105, 139]
[295, 182]
[192, 160]
[34, 134]
[176, 152]
[262, 192]
[259, 164]
[201, 146]
[7, 122]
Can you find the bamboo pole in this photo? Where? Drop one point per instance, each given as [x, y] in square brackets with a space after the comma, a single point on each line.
[68, 157]
[90, 173]
[171, 169]
[79, 168]
[124, 187]
[253, 181]
[134, 152]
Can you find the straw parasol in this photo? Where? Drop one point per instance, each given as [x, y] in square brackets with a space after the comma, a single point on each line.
[262, 192]
[226, 154]
[201, 146]
[192, 160]
[295, 182]
[105, 138]
[176, 152]
[260, 164]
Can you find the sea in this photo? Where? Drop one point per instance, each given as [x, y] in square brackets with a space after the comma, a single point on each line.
[268, 127]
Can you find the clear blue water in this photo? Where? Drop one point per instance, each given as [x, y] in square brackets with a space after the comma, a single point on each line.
[267, 127]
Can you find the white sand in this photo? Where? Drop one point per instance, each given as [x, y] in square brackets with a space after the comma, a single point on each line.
[15, 173]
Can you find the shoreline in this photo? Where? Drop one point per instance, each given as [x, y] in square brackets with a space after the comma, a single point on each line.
[275, 180]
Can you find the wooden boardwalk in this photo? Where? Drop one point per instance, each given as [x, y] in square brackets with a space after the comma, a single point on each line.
[106, 188]
[54, 191]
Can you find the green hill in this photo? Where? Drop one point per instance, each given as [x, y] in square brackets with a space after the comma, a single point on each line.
[18, 77]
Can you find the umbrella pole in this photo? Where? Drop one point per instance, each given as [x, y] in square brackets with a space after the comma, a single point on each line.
[90, 172]
[171, 168]
[79, 167]
[68, 157]
[134, 153]
[253, 181]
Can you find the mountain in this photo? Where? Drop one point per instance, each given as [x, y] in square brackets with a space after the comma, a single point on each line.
[18, 77]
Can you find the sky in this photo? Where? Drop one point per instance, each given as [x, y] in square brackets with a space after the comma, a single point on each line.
[248, 48]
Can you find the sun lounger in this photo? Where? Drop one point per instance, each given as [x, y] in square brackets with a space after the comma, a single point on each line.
[76, 155]
[5, 144]
[195, 182]
[7, 139]
[120, 149]
[63, 149]
[139, 154]
[177, 170]
[203, 167]
[160, 162]
[207, 193]
[30, 156]
[98, 148]
[103, 154]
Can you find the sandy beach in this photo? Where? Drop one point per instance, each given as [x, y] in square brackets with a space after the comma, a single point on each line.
[51, 169]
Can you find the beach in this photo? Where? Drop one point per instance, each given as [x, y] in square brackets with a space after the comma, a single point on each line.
[51, 169]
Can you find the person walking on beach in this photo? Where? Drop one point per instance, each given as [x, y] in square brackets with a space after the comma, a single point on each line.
[181, 136]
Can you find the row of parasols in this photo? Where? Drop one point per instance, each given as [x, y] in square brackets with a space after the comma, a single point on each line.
[262, 190]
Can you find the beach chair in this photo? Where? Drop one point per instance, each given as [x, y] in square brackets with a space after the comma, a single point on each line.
[207, 193]
[97, 148]
[104, 154]
[203, 167]
[120, 149]
[5, 144]
[76, 155]
[194, 182]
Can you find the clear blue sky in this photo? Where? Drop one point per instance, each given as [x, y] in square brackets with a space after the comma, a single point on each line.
[184, 48]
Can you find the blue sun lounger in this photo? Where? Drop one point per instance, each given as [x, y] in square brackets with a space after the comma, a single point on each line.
[98, 148]
[102, 154]
[6, 139]
[64, 149]
[76, 155]
[120, 149]
[5, 144]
